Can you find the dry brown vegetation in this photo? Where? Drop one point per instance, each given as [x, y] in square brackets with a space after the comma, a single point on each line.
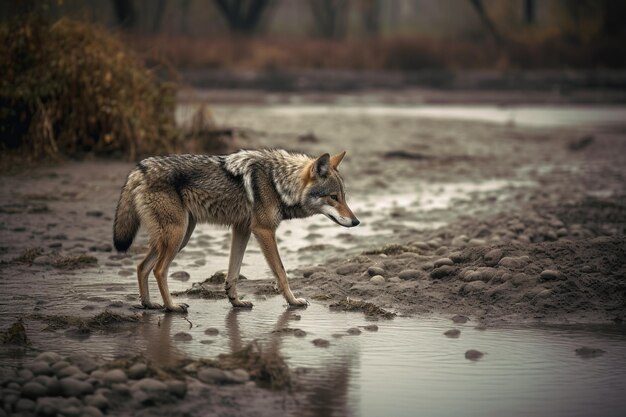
[70, 88]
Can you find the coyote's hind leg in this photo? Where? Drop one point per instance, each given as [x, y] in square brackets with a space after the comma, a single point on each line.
[143, 272]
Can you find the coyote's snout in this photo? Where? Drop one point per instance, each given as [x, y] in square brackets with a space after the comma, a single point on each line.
[251, 191]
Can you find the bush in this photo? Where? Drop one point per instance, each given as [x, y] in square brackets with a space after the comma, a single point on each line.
[70, 88]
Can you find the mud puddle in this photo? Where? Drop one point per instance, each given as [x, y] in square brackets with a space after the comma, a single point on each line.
[349, 365]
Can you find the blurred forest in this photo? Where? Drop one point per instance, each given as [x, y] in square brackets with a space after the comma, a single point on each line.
[405, 35]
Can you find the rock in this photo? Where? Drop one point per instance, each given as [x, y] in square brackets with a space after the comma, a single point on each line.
[71, 411]
[90, 411]
[52, 385]
[375, 270]
[460, 240]
[299, 333]
[473, 355]
[211, 331]
[48, 357]
[24, 405]
[307, 272]
[452, 333]
[33, 390]
[348, 269]
[427, 266]
[473, 287]
[520, 279]
[492, 257]
[50, 406]
[460, 319]
[68, 371]
[354, 331]
[514, 262]
[371, 328]
[182, 337]
[177, 388]
[480, 327]
[477, 242]
[114, 376]
[442, 272]
[211, 376]
[72, 387]
[394, 279]
[180, 276]
[323, 343]
[238, 376]
[151, 385]
[586, 268]
[42, 260]
[25, 375]
[57, 366]
[550, 275]
[97, 400]
[137, 371]
[442, 262]
[588, 352]
[377, 279]
[121, 389]
[409, 274]
[40, 368]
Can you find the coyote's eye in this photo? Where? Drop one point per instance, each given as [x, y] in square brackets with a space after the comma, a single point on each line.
[334, 197]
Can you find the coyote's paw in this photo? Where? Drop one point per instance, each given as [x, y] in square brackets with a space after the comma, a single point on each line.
[241, 303]
[298, 302]
[178, 308]
[149, 305]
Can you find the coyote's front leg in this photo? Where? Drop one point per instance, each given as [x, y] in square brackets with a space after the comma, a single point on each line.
[238, 244]
[267, 241]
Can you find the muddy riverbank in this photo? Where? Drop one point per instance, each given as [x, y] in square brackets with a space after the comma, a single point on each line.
[496, 223]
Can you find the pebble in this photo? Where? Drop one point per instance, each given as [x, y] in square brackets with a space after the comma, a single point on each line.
[323, 343]
[24, 405]
[348, 269]
[459, 240]
[183, 337]
[180, 276]
[427, 266]
[114, 376]
[98, 401]
[442, 272]
[460, 319]
[238, 376]
[68, 371]
[550, 275]
[40, 368]
[299, 333]
[52, 385]
[354, 331]
[477, 242]
[371, 328]
[480, 327]
[473, 355]
[586, 269]
[42, 260]
[211, 376]
[83, 361]
[588, 352]
[72, 387]
[25, 375]
[375, 270]
[442, 262]
[377, 279]
[211, 331]
[492, 257]
[452, 333]
[151, 385]
[90, 411]
[51, 406]
[307, 272]
[394, 279]
[473, 287]
[137, 371]
[57, 366]
[408, 274]
[177, 388]
[33, 390]
[514, 262]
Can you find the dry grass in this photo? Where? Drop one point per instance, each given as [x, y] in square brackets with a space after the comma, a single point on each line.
[99, 321]
[265, 367]
[368, 309]
[15, 335]
[70, 88]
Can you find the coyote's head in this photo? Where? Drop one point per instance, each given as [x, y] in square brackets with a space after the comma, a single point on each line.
[325, 192]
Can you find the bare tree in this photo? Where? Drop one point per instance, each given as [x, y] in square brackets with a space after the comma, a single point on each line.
[125, 13]
[242, 16]
[370, 16]
[330, 17]
[486, 21]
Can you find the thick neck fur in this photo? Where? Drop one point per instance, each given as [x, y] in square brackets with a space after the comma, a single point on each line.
[284, 169]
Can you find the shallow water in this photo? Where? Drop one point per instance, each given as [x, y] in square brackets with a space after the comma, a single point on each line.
[407, 367]
[530, 116]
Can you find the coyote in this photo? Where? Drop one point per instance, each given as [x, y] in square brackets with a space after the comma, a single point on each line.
[250, 191]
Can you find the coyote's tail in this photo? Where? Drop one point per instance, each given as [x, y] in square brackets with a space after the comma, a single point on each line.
[127, 219]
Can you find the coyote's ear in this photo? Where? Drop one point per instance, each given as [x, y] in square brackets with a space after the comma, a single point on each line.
[321, 166]
[335, 160]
